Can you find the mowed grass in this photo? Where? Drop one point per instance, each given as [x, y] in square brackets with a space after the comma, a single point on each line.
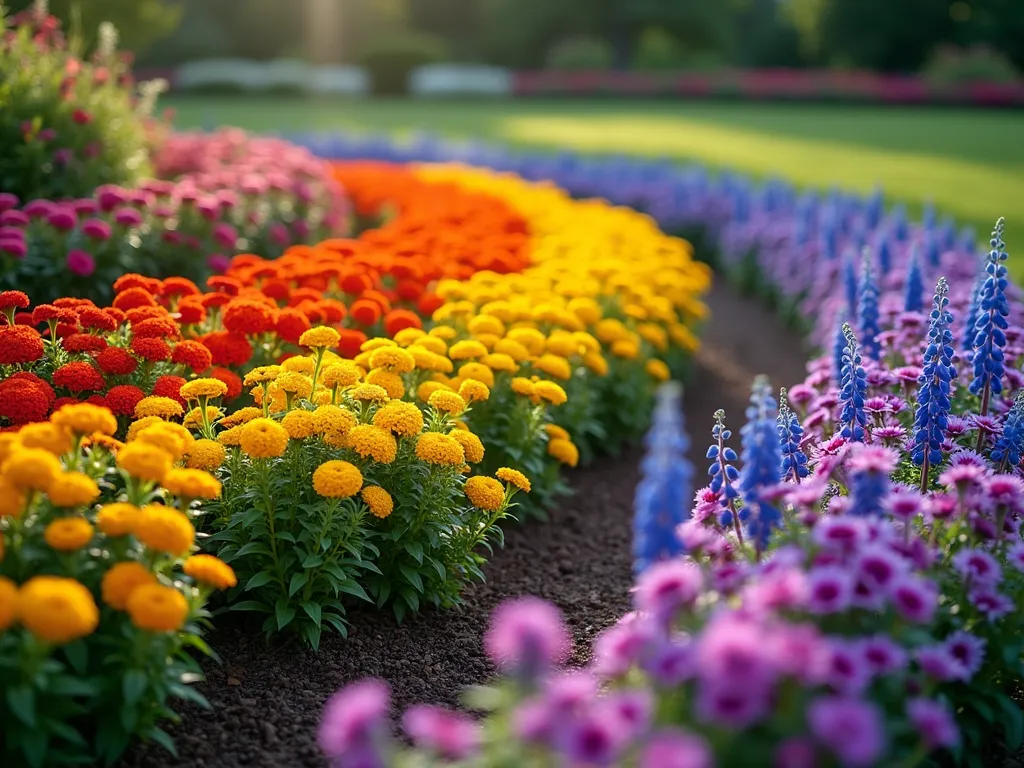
[969, 163]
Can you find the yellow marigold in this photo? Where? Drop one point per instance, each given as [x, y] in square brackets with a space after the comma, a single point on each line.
[390, 382]
[369, 392]
[295, 383]
[337, 479]
[321, 336]
[169, 437]
[261, 374]
[164, 529]
[137, 426]
[161, 407]
[588, 342]
[231, 436]
[443, 332]
[610, 330]
[627, 349]
[194, 418]
[57, 610]
[394, 359]
[596, 363]
[514, 477]
[499, 309]
[683, 337]
[449, 402]
[156, 608]
[586, 309]
[487, 339]
[477, 371]
[435, 448]
[499, 361]
[486, 324]
[193, 390]
[512, 348]
[362, 360]
[205, 454]
[7, 441]
[299, 424]
[530, 338]
[473, 391]
[121, 580]
[435, 342]
[333, 418]
[562, 344]
[657, 369]
[409, 336]
[241, 416]
[97, 441]
[402, 418]
[635, 311]
[471, 445]
[371, 441]
[12, 499]
[191, 484]
[32, 469]
[564, 451]
[549, 391]
[117, 519]
[300, 364]
[553, 365]
[376, 343]
[485, 492]
[72, 489]
[522, 386]
[263, 439]
[8, 603]
[555, 431]
[654, 334]
[86, 419]
[211, 570]
[340, 374]
[68, 533]
[467, 350]
[424, 359]
[47, 436]
[427, 388]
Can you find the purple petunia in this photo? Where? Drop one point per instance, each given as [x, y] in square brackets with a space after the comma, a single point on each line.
[843, 534]
[1015, 556]
[882, 654]
[938, 662]
[620, 647]
[592, 740]
[991, 604]
[853, 730]
[849, 673]
[671, 663]
[733, 704]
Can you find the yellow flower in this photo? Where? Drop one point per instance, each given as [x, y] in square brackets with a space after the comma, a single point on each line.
[426, 360]
[371, 344]
[477, 371]
[610, 330]
[485, 492]
[514, 477]
[72, 489]
[7, 442]
[522, 386]
[362, 360]
[390, 382]
[486, 324]
[654, 334]
[295, 384]
[427, 388]
[372, 441]
[378, 500]
[161, 407]
[512, 348]
[165, 529]
[57, 610]
[625, 348]
[31, 469]
[232, 436]
[333, 419]
[499, 361]
[8, 602]
[205, 454]
[49, 437]
[657, 370]
[562, 344]
[191, 484]
[300, 364]
[299, 424]
[12, 499]
[530, 338]
[340, 374]
[337, 479]
[555, 431]
[137, 426]
[68, 533]
[448, 402]
[473, 391]
[564, 451]
[443, 332]
[548, 390]
[588, 342]
[194, 418]
[122, 580]
[86, 419]
[393, 358]
[117, 519]
[596, 363]
[435, 448]
[211, 570]
[409, 336]
[400, 417]
[683, 337]
[193, 390]
[156, 608]
[263, 439]
[241, 416]
[369, 392]
[172, 438]
[261, 374]
[322, 336]
[435, 342]
[553, 365]
[467, 350]
[586, 309]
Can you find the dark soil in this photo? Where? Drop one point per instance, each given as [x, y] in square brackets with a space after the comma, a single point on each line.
[267, 700]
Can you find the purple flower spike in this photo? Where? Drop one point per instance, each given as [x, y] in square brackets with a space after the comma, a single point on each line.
[675, 749]
[449, 734]
[355, 719]
[527, 636]
[853, 730]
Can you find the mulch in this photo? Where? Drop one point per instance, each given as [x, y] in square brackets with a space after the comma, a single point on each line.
[267, 699]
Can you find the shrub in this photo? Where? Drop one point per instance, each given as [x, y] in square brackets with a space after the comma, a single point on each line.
[100, 600]
[978, 63]
[390, 59]
[581, 52]
[658, 50]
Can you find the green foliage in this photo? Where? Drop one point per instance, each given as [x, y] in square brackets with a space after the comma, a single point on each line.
[580, 52]
[658, 49]
[953, 66]
[390, 59]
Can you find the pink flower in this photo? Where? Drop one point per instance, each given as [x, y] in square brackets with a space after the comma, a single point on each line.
[81, 117]
[451, 735]
[80, 263]
[96, 229]
[217, 263]
[527, 636]
[667, 587]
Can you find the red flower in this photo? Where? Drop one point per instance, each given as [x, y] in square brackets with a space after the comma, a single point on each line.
[429, 303]
[169, 386]
[312, 312]
[156, 328]
[211, 300]
[228, 349]
[153, 350]
[180, 286]
[138, 314]
[117, 314]
[248, 317]
[356, 283]
[191, 312]
[78, 377]
[97, 319]
[232, 379]
[132, 298]
[123, 398]
[115, 361]
[65, 329]
[132, 280]
[81, 117]
[409, 290]
[278, 290]
[20, 344]
[25, 398]
[350, 342]
[44, 313]
[397, 319]
[20, 318]
[332, 311]
[378, 297]
[70, 302]
[291, 324]
[193, 354]
[84, 342]
[13, 300]
[365, 312]
[224, 284]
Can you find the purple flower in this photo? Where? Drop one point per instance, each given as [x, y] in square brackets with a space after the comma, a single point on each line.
[727, 577]
[1006, 490]
[905, 504]
[451, 735]
[593, 740]
[569, 693]
[96, 229]
[849, 672]
[796, 753]
[733, 704]
[915, 599]
[526, 636]
[842, 534]
[733, 647]
[533, 721]
[991, 604]
[934, 723]
[830, 589]
[882, 654]
[873, 458]
[938, 662]
[128, 217]
[80, 263]
[632, 709]
[800, 651]
[16, 248]
[671, 663]
[354, 718]
[225, 235]
[853, 730]
[706, 503]
[671, 748]
[967, 649]
[218, 263]
[1015, 556]
[666, 587]
[878, 567]
[694, 535]
[978, 566]
[618, 648]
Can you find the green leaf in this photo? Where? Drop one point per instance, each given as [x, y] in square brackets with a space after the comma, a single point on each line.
[298, 582]
[258, 580]
[249, 605]
[312, 634]
[412, 576]
[284, 613]
[22, 702]
[356, 589]
[253, 546]
[133, 685]
[312, 561]
[1013, 723]
[383, 593]
[66, 685]
[313, 611]
[415, 549]
[162, 738]
[34, 745]
[129, 718]
[77, 654]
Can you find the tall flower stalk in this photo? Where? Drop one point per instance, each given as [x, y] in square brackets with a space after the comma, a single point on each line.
[853, 390]
[724, 474]
[794, 460]
[933, 396]
[990, 327]
[762, 462]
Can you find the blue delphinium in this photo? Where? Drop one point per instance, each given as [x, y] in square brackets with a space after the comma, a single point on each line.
[850, 286]
[662, 499]
[853, 387]
[838, 349]
[1010, 445]
[884, 251]
[722, 471]
[973, 310]
[913, 296]
[762, 463]
[989, 336]
[794, 460]
[933, 395]
[867, 311]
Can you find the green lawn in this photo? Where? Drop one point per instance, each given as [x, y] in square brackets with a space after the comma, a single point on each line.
[970, 163]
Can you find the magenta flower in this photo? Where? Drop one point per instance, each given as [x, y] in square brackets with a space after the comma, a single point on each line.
[1015, 556]
[671, 663]
[978, 566]
[593, 740]
[728, 577]
[967, 649]
[934, 723]
[853, 730]
[96, 229]
[354, 719]
[991, 604]
[128, 217]
[796, 753]
[62, 219]
[672, 748]
[632, 709]
[80, 263]
[883, 654]
[621, 646]
[938, 662]
[278, 234]
[667, 587]
[830, 589]
[878, 567]
[110, 197]
[733, 704]
[38, 209]
[905, 504]
[451, 735]
[8, 201]
[533, 721]
[915, 599]
[225, 235]
[218, 263]
[842, 534]
[527, 636]
[14, 218]
[849, 673]
[16, 248]
[569, 693]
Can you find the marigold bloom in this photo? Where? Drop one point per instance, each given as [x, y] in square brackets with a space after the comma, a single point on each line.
[369, 392]
[152, 349]
[485, 492]
[467, 350]
[123, 399]
[191, 484]
[164, 529]
[246, 317]
[549, 391]
[391, 382]
[596, 363]
[12, 499]
[300, 364]
[627, 349]
[13, 300]
[169, 386]
[241, 416]
[72, 489]
[299, 424]
[137, 426]
[156, 608]
[320, 337]
[295, 384]
[116, 361]
[498, 361]
[564, 451]
[78, 376]
[145, 462]
[57, 610]
[448, 402]
[291, 324]
[394, 359]
[262, 374]
[337, 479]
[50, 437]
[194, 418]
[117, 518]
[162, 327]
[514, 477]
[471, 445]
[473, 391]
[553, 431]
[553, 365]
[228, 349]
[20, 344]
[370, 441]
[522, 386]
[340, 374]
[400, 417]
[122, 580]
[378, 500]
[435, 448]
[408, 336]
[530, 338]
[658, 370]
[193, 390]
[434, 341]
[68, 534]
[25, 398]
[31, 469]
[263, 439]
[85, 419]
[211, 570]
[205, 454]
[167, 436]
[8, 603]
[82, 343]
[161, 407]
[192, 354]
[479, 372]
